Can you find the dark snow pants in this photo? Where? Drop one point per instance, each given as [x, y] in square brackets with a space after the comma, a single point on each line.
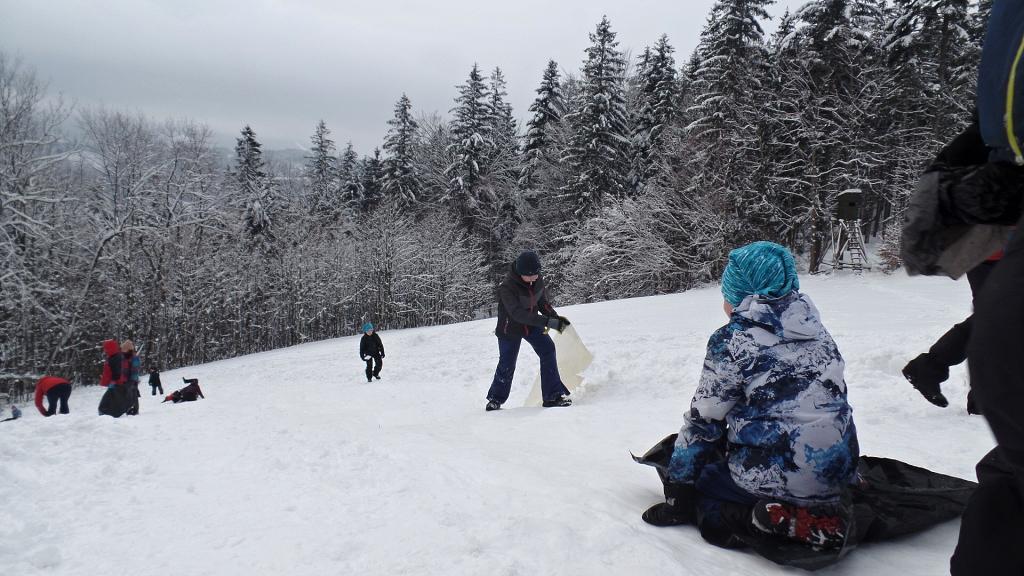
[508, 349]
[991, 532]
[132, 390]
[995, 357]
[156, 387]
[371, 369]
[59, 393]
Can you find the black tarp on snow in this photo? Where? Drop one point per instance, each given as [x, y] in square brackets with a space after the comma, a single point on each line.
[892, 499]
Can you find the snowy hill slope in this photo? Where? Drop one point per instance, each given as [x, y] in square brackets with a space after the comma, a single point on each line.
[295, 465]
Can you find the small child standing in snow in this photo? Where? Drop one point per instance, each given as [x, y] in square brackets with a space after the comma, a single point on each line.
[154, 381]
[371, 350]
[769, 439]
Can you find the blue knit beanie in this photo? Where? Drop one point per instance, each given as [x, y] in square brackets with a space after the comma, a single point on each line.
[367, 327]
[762, 268]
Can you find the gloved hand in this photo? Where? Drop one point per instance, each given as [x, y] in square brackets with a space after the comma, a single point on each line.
[557, 323]
[564, 320]
[381, 355]
[925, 375]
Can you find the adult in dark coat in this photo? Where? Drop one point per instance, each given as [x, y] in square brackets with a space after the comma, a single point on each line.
[524, 313]
[57, 391]
[371, 350]
[992, 529]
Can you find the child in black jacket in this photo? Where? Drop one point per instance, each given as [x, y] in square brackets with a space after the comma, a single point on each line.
[371, 350]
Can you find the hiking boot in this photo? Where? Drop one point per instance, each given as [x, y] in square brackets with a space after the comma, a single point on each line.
[376, 376]
[821, 527]
[664, 514]
[560, 401]
[924, 374]
[492, 405]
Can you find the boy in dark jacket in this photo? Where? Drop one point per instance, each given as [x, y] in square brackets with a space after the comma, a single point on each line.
[525, 313]
[154, 381]
[371, 350]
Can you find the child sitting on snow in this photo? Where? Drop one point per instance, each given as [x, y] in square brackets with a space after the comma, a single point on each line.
[769, 439]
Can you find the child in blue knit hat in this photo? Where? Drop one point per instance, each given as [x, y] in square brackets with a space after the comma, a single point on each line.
[371, 351]
[769, 438]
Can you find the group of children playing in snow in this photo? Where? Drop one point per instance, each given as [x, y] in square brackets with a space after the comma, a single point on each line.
[769, 428]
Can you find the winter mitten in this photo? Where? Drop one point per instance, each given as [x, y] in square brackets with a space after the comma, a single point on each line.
[565, 321]
[925, 375]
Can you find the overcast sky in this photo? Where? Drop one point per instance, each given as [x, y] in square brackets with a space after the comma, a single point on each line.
[281, 65]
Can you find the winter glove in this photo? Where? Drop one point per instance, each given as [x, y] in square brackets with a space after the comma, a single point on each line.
[925, 375]
[565, 321]
[557, 323]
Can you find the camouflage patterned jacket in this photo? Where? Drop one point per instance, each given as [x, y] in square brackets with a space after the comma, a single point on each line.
[772, 395]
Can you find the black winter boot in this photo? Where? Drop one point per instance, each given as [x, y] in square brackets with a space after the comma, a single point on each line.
[677, 509]
[560, 401]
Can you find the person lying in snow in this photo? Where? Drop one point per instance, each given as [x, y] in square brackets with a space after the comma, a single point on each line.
[189, 393]
[769, 432]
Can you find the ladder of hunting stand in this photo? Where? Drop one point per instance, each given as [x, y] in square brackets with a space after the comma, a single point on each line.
[847, 238]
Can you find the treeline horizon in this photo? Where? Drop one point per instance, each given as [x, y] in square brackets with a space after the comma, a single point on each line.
[633, 176]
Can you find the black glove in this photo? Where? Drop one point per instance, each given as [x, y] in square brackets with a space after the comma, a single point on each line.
[925, 375]
[557, 323]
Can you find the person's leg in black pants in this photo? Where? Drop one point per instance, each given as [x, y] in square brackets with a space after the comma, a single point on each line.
[51, 401]
[58, 396]
[995, 357]
[369, 369]
[508, 353]
[378, 363]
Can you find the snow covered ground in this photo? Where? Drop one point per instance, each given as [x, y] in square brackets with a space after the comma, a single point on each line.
[295, 465]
